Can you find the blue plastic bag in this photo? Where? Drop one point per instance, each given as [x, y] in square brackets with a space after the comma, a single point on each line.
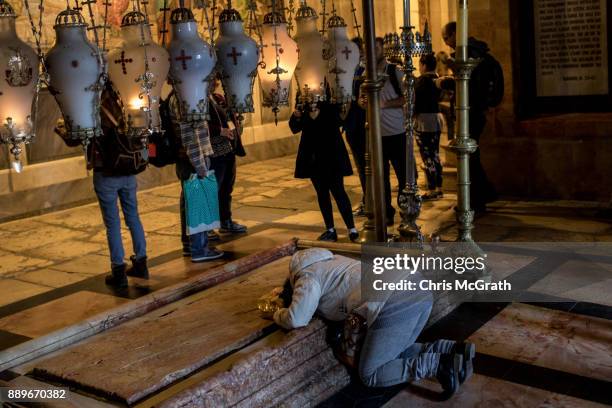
[201, 203]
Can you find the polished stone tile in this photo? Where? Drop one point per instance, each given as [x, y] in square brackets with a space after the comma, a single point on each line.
[59, 313]
[579, 280]
[85, 217]
[67, 249]
[11, 264]
[52, 277]
[12, 290]
[160, 219]
[9, 339]
[481, 391]
[571, 343]
[91, 264]
[264, 240]
[38, 237]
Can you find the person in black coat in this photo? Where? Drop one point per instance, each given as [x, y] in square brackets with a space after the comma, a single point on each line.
[322, 157]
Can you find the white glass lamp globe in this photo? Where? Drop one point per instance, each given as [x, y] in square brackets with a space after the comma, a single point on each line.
[238, 57]
[126, 69]
[75, 70]
[280, 57]
[192, 60]
[312, 66]
[344, 58]
[18, 83]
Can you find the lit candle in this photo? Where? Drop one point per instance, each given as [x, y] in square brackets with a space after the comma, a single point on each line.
[462, 29]
[406, 13]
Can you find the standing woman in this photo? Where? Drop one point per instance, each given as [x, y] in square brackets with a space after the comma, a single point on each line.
[322, 157]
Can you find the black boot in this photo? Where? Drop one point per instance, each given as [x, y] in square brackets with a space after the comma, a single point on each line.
[328, 235]
[117, 278]
[468, 352]
[139, 268]
[448, 374]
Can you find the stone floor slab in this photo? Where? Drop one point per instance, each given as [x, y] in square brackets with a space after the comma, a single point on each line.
[170, 342]
[58, 313]
[11, 264]
[482, 391]
[52, 277]
[91, 264]
[553, 339]
[65, 250]
[12, 290]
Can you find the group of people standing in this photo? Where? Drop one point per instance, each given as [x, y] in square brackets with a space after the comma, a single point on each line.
[117, 156]
[323, 158]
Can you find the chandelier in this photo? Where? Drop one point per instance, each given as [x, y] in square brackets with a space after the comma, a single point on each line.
[238, 56]
[75, 68]
[343, 60]
[139, 68]
[279, 61]
[192, 61]
[18, 86]
[312, 65]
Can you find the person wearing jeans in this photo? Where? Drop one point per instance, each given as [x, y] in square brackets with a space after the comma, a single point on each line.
[109, 189]
[329, 286]
[114, 178]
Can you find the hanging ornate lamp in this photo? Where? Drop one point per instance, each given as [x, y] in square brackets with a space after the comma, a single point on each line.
[280, 60]
[238, 58]
[192, 60]
[139, 68]
[76, 69]
[312, 65]
[18, 85]
[343, 60]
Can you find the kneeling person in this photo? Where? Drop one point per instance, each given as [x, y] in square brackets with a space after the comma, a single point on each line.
[330, 286]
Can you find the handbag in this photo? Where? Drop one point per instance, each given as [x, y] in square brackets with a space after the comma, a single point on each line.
[201, 203]
[353, 335]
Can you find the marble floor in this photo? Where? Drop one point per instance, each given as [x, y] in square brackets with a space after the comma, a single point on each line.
[52, 266]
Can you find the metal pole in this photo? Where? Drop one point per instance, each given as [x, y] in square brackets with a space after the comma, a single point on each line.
[409, 199]
[374, 166]
[463, 145]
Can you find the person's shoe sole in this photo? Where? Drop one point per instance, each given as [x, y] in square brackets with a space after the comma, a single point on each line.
[468, 355]
[457, 364]
[207, 258]
[226, 231]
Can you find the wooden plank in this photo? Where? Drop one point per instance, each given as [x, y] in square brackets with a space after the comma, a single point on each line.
[59, 339]
[139, 357]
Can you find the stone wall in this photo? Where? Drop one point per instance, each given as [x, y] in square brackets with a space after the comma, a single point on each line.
[565, 156]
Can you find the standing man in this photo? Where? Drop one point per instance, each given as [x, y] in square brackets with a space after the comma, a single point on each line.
[116, 158]
[486, 89]
[392, 125]
[354, 127]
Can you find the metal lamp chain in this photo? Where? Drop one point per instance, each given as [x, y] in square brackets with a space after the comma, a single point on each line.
[356, 24]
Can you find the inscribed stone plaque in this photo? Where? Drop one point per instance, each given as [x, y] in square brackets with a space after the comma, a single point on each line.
[571, 47]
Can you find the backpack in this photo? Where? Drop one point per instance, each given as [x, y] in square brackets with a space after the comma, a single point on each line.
[492, 81]
[164, 146]
[391, 73]
[122, 155]
[118, 153]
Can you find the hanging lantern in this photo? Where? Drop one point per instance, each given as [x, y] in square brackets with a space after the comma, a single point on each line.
[280, 59]
[312, 65]
[139, 68]
[192, 60]
[343, 60]
[18, 85]
[75, 70]
[238, 58]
